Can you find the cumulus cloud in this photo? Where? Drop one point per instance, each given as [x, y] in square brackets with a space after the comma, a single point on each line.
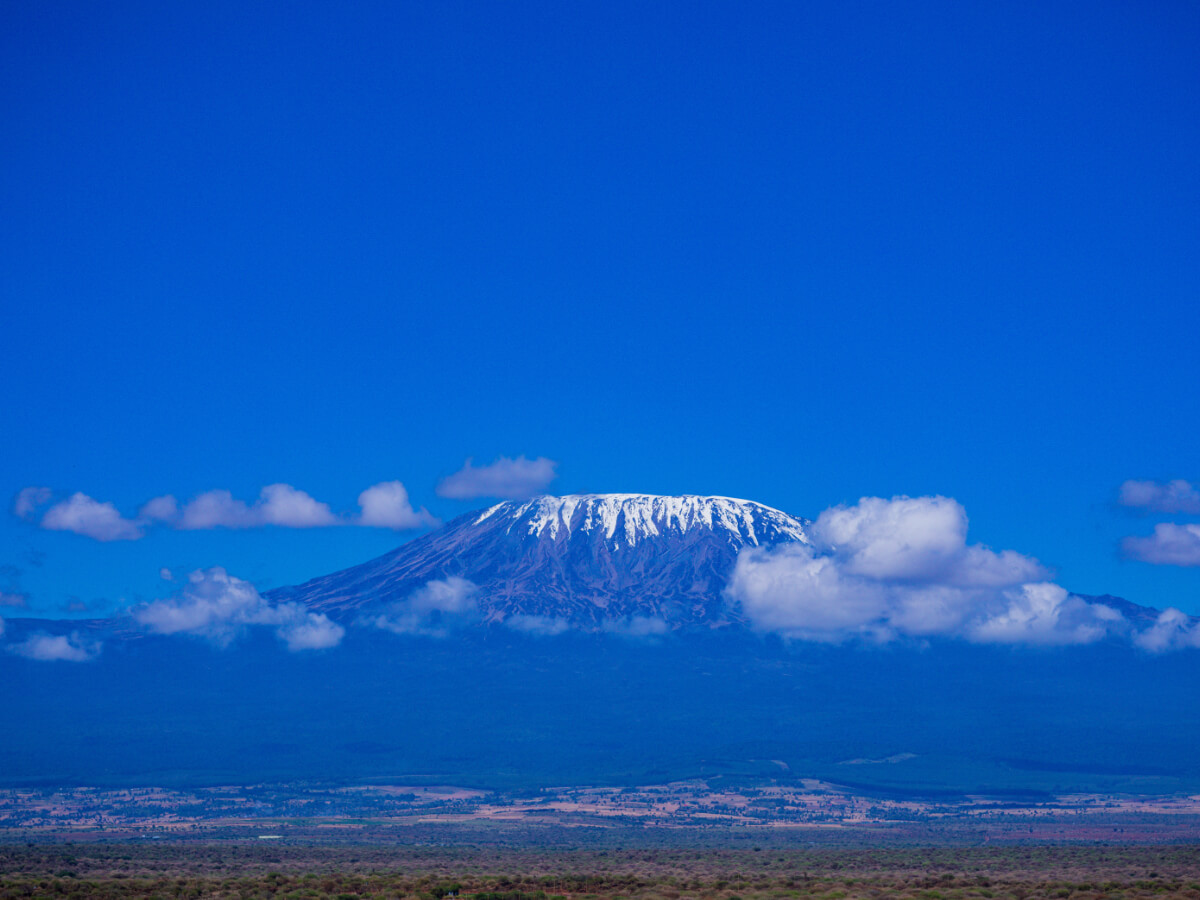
[80, 514]
[220, 607]
[29, 499]
[383, 505]
[881, 569]
[1176, 496]
[57, 648]
[435, 609]
[386, 505]
[277, 504]
[1170, 545]
[1173, 630]
[917, 539]
[507, 479]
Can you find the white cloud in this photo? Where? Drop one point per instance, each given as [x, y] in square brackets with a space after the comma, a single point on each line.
[218, 606]
[543, 626]
[1, 628]
[1173, 630]
[918, 539]
[57, 648]
[1176, 496]
[166, 574]
[902, 567]
[382, 505]
[386, 505]
[9, 598]
[1044, 614]
[278, 504]
[29, 499]
[80, 514]
[508, 479]
[434, 609]
[313, 631]
[1170, 545]
[160, 509]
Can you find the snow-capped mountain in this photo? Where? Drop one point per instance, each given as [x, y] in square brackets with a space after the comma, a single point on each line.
[586, 558]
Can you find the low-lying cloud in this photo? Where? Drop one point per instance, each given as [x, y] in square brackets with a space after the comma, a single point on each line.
[384, 505]
[435, 609]
[506, 479]
[1176, 496]
[883, 569]
[220, 607]
[1170, 545]
[1173, 630]
[44, 647]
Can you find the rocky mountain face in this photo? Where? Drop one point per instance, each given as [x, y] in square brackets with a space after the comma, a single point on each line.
[587, 559]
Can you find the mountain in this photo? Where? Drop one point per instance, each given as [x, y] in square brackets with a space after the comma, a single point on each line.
[512, 707]
[587, 559]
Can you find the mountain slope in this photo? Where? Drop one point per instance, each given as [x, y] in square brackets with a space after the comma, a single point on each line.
[589, 559]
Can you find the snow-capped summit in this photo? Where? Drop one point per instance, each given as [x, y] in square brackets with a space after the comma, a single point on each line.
[628, 518]
[588, 559]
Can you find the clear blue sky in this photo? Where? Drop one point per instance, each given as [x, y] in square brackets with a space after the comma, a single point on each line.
[797, 252]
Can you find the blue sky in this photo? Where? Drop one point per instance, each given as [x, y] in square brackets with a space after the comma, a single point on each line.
[798, 253]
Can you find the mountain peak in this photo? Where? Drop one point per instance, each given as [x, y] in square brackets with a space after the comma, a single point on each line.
[584, 558]
[630, 518]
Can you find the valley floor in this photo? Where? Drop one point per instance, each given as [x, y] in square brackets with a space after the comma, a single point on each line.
[690, 813]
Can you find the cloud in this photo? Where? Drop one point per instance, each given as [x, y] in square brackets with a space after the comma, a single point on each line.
[542, 626]
[277, 504]
[1176, 496]
[10, 598]
[29, 499]
[80, 514]
[435, 609]
[882, 569]
[382, 505]
[386, 505]
[508, 479]
[1170, 545]
[1173, 630]
[220, 607]
[917, 539]
[160, 509]
[57, 648]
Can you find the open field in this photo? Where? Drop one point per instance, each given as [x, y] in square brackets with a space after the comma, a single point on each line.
[253, 870]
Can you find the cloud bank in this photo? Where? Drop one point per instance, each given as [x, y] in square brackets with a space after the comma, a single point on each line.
[883, 569]
[507, 479]
[1176, 496]
[384, 505]
[219, 607]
